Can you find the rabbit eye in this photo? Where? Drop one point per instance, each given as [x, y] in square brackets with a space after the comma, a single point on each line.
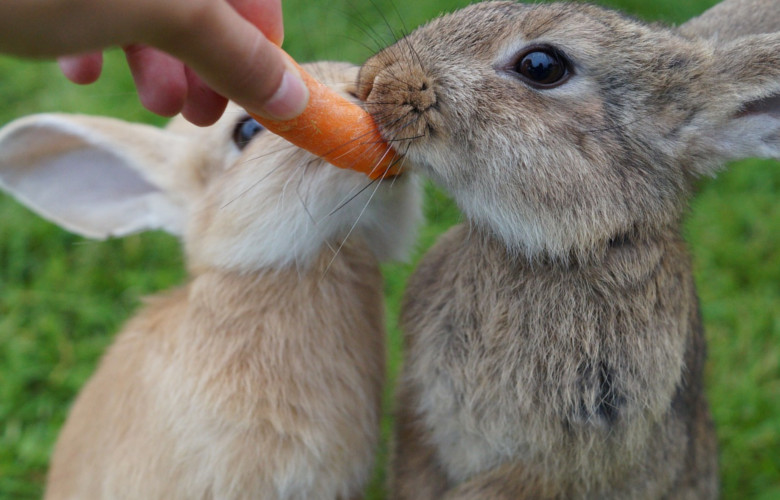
[245, 130]
[542, 67]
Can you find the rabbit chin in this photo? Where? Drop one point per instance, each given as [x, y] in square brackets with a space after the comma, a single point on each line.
[269, 227]
[533, 232]
[531, 236]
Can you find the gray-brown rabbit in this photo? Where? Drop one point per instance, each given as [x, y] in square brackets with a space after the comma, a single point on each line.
[261, 378]
[553, 342]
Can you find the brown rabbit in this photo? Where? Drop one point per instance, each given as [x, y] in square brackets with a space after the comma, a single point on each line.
[553, 342]
[262, 376]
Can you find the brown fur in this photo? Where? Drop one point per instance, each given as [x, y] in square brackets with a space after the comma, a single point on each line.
[553, 342]
[585, 377]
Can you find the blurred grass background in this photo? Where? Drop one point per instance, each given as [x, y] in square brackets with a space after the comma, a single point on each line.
[62, 298]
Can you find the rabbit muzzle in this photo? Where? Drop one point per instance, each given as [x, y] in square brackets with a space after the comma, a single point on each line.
[404, 107]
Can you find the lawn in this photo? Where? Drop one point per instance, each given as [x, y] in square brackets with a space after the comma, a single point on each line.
[62, 297]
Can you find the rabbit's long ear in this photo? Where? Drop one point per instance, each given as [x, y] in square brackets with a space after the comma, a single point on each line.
[97, 177]
[743, 105]
[732, 19]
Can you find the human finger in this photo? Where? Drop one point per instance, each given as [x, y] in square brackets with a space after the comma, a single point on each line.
[235, 59]
[159, 78]
[83, 68]
[202, 106]
[266, 15]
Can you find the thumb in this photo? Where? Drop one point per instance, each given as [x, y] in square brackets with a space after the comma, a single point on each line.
[235, 59]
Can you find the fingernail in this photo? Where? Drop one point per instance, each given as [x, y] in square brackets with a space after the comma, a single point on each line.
[290, 98]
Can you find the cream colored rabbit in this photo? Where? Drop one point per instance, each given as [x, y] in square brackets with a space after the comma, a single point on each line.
[553, 342]
[261, 377]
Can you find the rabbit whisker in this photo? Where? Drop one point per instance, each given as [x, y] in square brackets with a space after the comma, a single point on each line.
[386, 21]
[305, 206]
[366, 28]
[300, 194]
[352, 141]
[354, 224]
[407, 139]
[413, 119]
[393, 123]
[346, 199]
[349, 198]
[252, 186]
[354, 147]
[361, 43]
[388, 151]
[406, 39]
[282, 148]
[401, 160]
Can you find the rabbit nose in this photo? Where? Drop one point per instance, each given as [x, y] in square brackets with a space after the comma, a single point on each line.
[415, 89]
[421, 96]
[402, 97]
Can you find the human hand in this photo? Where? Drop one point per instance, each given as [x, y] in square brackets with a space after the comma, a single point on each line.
[185, 55]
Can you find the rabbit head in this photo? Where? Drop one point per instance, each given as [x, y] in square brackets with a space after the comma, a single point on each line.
[241, 198]
[562, 128]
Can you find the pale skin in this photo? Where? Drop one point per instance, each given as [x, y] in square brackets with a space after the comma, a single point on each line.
[186, 56]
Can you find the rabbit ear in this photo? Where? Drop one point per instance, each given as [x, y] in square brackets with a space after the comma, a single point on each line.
[97, 177]
[732, 19]
[744, 109]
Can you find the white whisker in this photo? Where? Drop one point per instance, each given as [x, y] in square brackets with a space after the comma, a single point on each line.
[354, 225]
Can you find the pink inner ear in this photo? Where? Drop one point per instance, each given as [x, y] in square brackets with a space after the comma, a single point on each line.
[769, 105]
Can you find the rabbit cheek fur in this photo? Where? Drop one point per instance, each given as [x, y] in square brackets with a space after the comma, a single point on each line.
[262, 376]
[553, 342]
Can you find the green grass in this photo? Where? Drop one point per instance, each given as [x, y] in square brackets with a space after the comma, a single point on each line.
[62, 298]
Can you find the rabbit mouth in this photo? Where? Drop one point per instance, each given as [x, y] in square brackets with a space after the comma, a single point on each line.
[402, 110]
[405, 109]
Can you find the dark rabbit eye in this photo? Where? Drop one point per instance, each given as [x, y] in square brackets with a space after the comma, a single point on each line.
[245, 130]
[542, 67]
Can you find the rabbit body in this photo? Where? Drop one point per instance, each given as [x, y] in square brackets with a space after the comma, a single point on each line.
[548, 381]
[553, 342]
[262, 376]
[215, 390]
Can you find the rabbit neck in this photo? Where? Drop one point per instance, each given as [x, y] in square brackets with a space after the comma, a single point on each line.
[625, 252]
[225, 290]
[305, 329]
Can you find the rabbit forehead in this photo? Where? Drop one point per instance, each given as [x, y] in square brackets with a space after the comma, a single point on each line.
[614, 58]
[494, 24]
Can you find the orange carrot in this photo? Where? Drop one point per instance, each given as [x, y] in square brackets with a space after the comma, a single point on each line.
[336, 130]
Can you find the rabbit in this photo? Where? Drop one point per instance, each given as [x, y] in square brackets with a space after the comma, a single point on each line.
[553, 342]
[261, 377]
